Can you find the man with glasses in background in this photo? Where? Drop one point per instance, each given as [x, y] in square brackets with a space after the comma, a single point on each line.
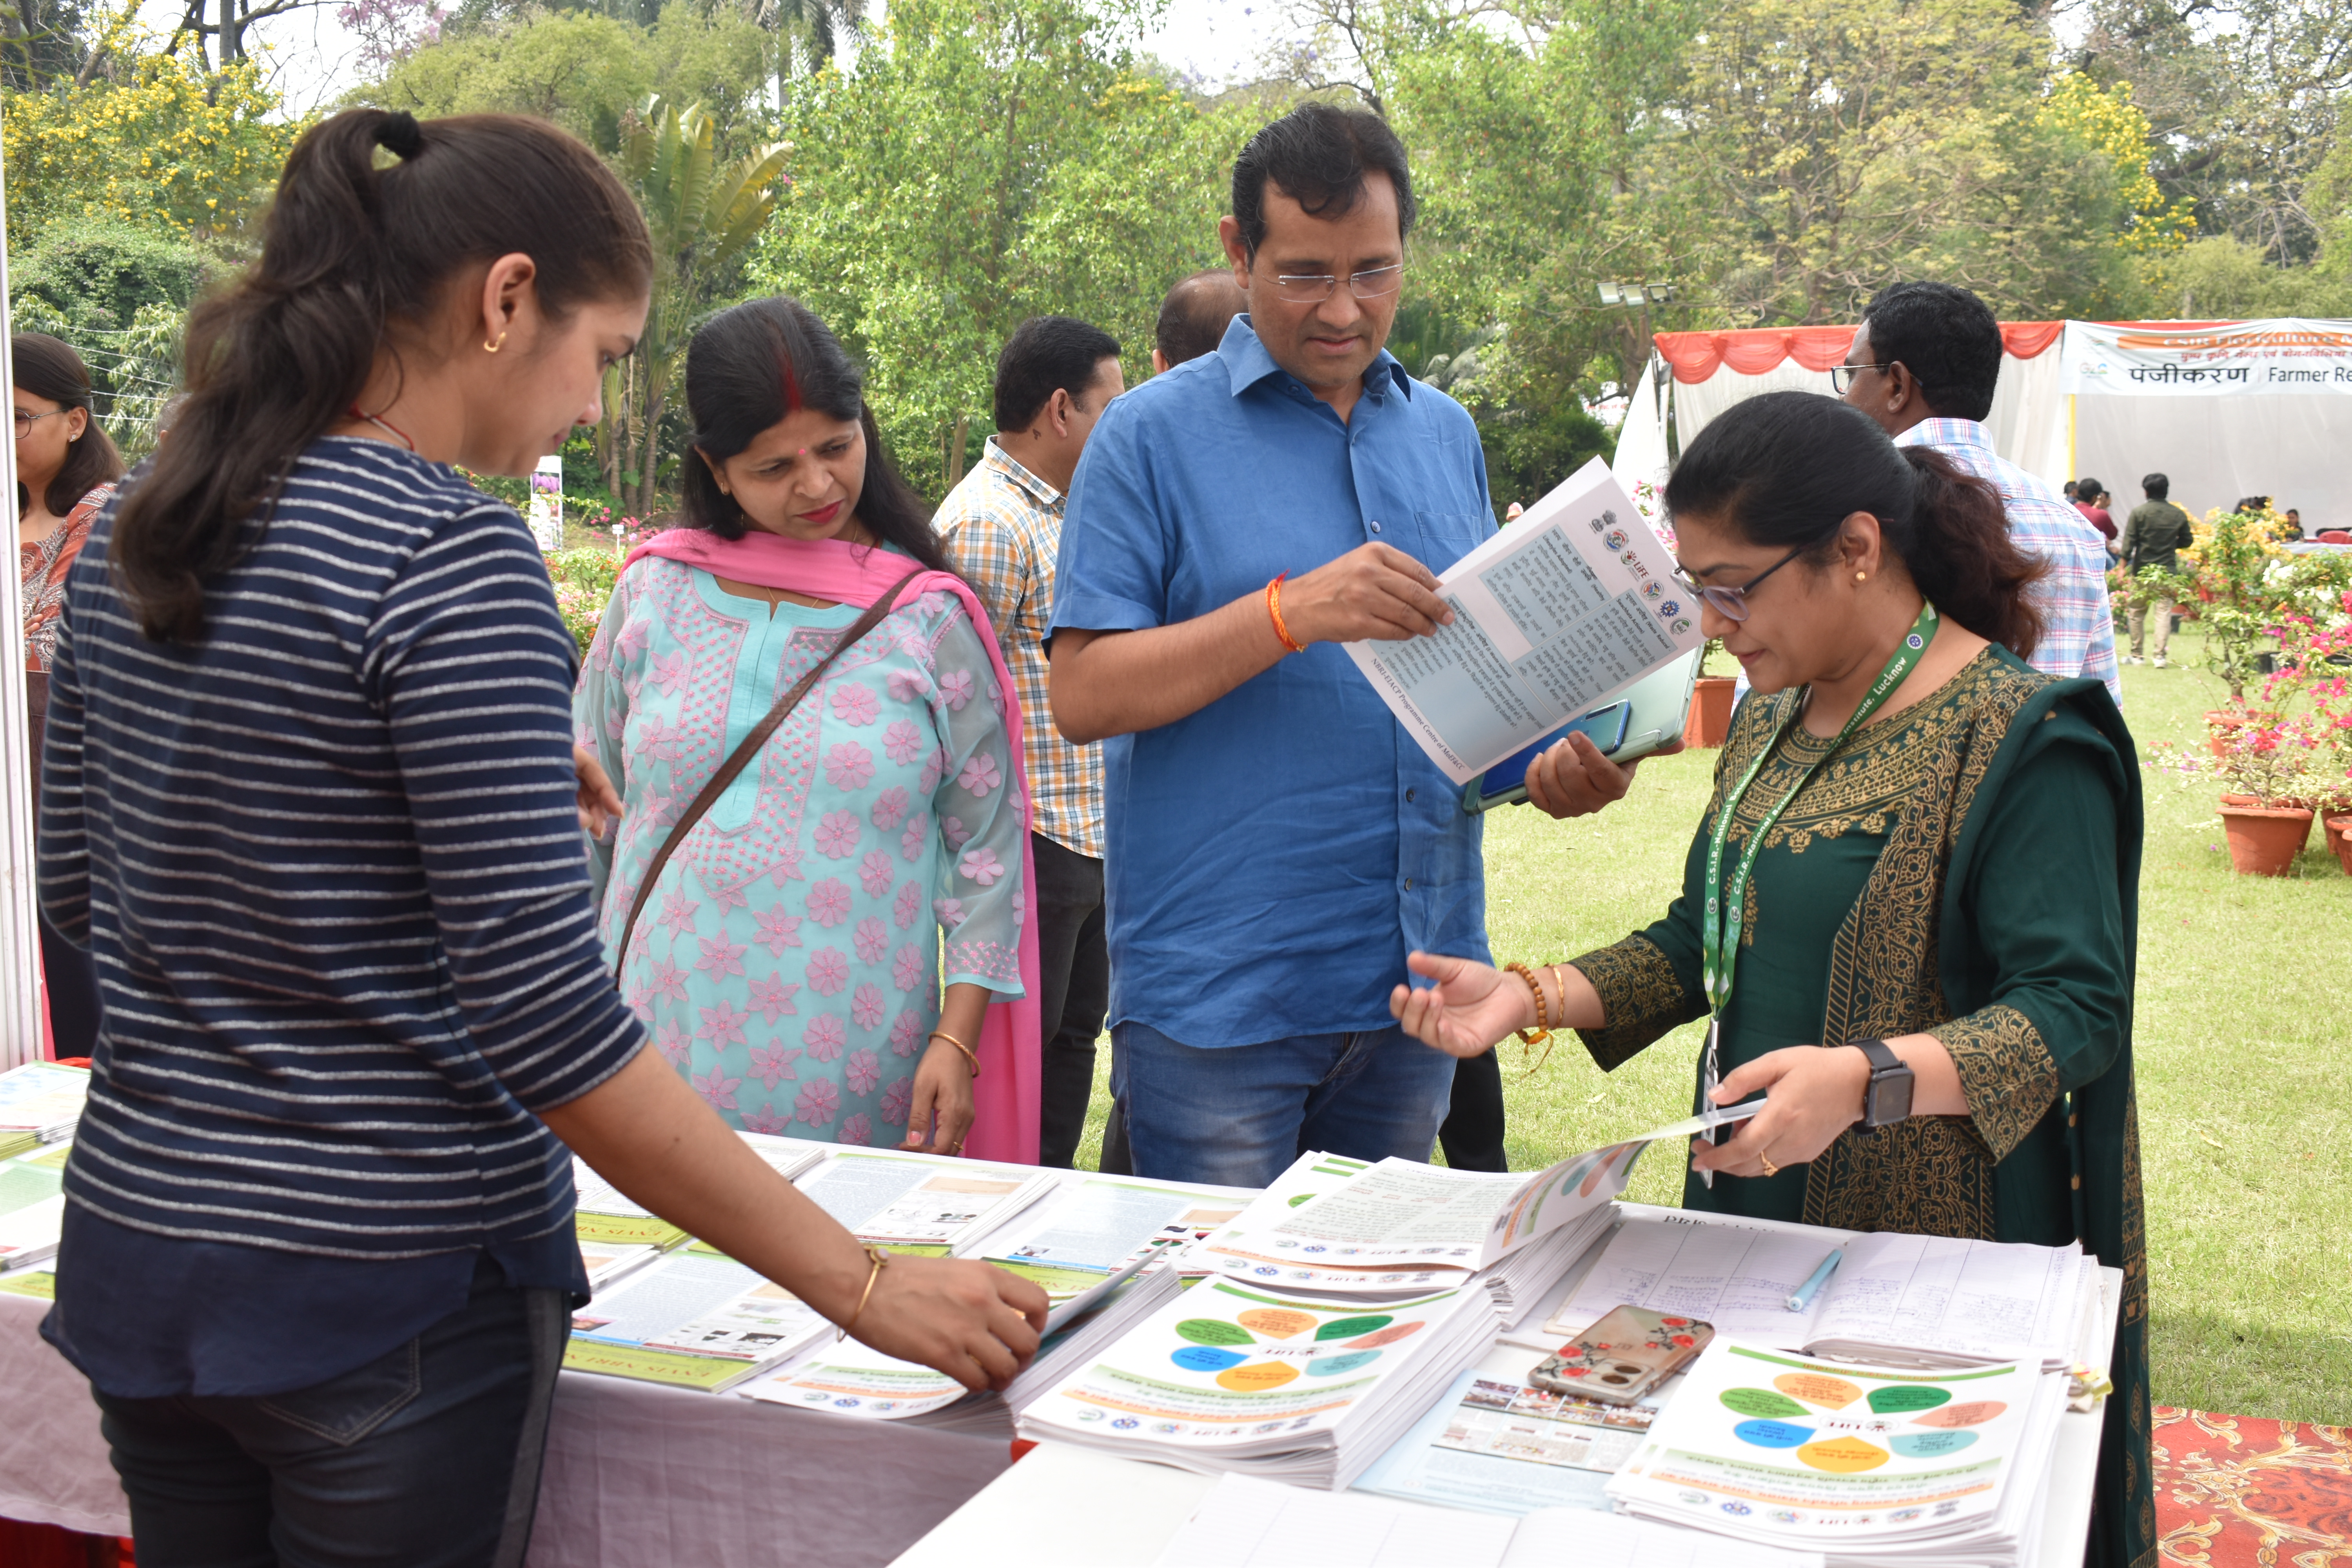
[1276, 842]
[1924, 365]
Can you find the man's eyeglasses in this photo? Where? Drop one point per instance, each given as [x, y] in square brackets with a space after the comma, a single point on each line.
[1313, 288]
[25, 421]
[1842, 376]
[1732, 602]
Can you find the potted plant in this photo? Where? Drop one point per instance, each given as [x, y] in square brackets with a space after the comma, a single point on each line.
[2316, 674]
[1711, 703]
[2268, 773]
[2232, 559]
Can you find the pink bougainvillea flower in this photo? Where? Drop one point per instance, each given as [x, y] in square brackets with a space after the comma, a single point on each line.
[670, 1040]
[896, 1100]
[864, 1071]
[907, 967]
[905, 1033]
[980, 774]
[952, 830]
[907, 906]
[828, 972]
[906, 684]
[955, 688]
[848, 766]
[854, 703]
[817, 1104]
[773, 1064]
[866, 1007]
[836, 835]
[912, 842]
[668, 980]
[902, 742]
[824, 1037]
[772, 998]
[875, 873]
[980, 866]
[677, 911]
[859, 1129]
[768, 1122]
[778, 930]
[890, 809]
[720, 957]
[950, 912]
[722, 1026]
[873, 940]
[719, 1089]
[829, 902]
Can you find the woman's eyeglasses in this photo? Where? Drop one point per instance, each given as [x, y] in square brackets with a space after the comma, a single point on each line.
[1313, 288]
[1732, 602]
[25, 421]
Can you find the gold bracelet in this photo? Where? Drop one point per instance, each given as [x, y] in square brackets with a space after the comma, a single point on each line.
[872, 1274]
[943, 1034]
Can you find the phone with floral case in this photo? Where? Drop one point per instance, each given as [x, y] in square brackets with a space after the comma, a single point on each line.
[1625, 1355]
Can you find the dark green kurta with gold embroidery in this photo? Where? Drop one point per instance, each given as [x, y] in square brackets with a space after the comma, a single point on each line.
[1967, 868]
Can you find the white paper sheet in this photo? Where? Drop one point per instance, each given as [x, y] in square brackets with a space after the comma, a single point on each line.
[1553, 616]
[1739, 1280]
[1952, 1297]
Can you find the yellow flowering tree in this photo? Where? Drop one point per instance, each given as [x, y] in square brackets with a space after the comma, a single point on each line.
[157, 140]
[2106, 120]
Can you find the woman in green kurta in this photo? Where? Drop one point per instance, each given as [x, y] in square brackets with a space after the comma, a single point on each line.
[1951, 872]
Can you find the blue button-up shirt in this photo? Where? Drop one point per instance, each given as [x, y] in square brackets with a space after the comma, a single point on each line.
[1270, 858]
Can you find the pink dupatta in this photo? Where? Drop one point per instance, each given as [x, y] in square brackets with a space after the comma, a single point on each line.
[1004, 1125]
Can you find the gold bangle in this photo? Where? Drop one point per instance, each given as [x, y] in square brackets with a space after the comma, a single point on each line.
[943, 1034]
[872, 1274]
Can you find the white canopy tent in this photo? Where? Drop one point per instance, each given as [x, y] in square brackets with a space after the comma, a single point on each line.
[2225, 409]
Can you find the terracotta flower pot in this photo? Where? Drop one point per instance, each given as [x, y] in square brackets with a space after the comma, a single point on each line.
[2264, 840]
[2219, 724]
[1710, 711]
[2338, 829]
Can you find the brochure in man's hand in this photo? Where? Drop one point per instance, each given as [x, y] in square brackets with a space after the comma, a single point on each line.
[1561, 612]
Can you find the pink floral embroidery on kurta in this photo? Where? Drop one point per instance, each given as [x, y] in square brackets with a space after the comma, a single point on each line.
[863, 1073]
[829, 902]
[854, 704]
[824, 1037]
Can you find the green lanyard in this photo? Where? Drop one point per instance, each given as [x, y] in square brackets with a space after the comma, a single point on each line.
[1719, 931]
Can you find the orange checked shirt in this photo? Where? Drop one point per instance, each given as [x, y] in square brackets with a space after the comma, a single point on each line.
[1003, 527]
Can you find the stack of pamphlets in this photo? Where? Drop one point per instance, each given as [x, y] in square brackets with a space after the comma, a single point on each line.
[1876, 1464]
[855, 1380]
[921, 1202]
[1245, 1522]
[1501, 1446]
[692, 1317]
[40, 1103]
[1914, 1300]
[31, 1207]
[618, 1235]
[1096, 1225]
[1290, 1387]
[1401, 1227]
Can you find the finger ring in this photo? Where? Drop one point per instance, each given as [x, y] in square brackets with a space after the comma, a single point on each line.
[1770, 1169]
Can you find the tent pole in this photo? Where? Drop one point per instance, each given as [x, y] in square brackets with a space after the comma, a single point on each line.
[2069, 435]
[20, 931]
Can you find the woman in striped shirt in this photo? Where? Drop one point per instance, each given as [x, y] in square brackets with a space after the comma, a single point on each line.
[310, 802]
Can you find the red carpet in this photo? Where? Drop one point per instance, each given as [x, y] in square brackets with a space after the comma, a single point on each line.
[2233, 1491]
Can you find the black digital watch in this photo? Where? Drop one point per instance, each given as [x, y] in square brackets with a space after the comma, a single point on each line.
[1887, 1099]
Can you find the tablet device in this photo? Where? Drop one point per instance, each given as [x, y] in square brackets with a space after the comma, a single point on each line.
[1651, 714]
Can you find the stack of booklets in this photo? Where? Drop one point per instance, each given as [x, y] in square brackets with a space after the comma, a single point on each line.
[1400, 1227]
[1910, 1300]
[40, 1103]
[1291, 1387]
[618, 1235]
[695, 1319]
[1880, 1465]
[920, 1203]
[31, 1207]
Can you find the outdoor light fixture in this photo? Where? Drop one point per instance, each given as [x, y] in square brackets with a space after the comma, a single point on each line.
[1640, 297]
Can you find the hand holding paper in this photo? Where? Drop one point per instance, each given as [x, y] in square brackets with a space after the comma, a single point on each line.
[1374, 592]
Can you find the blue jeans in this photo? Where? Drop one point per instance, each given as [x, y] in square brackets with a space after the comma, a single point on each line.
[1238, 1115]
[428, 1456]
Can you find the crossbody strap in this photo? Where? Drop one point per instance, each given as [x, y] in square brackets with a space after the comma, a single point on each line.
[740, 758]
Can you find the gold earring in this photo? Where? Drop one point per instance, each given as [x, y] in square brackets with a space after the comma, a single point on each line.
[1862, 576]
[491, 348]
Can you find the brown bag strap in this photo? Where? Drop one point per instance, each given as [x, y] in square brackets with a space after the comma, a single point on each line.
[740, 757]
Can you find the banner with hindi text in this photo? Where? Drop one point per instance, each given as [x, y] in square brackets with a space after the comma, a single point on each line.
[2187, 359]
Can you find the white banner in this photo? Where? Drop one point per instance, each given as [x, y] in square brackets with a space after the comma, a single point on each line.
[2224, 358]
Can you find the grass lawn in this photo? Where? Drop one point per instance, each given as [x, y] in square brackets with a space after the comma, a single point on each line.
[2244, 1042]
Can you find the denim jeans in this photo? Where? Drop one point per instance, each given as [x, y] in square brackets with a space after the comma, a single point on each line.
[425, 1458]
[1238, 1115]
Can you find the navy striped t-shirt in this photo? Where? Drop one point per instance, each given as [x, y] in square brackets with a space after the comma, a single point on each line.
[329, 868]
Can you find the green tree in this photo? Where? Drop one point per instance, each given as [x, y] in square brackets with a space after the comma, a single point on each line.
[118, 294]
[981, 163]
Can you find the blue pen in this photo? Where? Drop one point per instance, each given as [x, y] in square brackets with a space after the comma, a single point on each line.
[1805, 1292]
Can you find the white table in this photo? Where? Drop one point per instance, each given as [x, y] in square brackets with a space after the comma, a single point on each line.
[1126, 1511]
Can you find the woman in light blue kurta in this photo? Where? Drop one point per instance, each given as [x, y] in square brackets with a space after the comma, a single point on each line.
[790, 959]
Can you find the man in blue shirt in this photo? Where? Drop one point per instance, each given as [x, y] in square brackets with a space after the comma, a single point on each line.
[1274, 843]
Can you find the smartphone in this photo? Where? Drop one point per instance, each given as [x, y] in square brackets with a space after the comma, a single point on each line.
[1625, 1355]
[1650, 715]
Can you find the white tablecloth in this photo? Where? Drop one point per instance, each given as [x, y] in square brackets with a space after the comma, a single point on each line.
[636, 1474]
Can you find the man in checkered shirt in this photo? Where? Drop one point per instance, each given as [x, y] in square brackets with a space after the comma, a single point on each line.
[1923, 365]
[1002, 527]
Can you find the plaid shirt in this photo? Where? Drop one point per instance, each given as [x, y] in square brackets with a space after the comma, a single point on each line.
[1003, 527]
[2080, 638]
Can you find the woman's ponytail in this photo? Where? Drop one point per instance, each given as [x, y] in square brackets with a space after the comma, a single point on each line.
[354, 258]
[1782, 466]
[1959, 552]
